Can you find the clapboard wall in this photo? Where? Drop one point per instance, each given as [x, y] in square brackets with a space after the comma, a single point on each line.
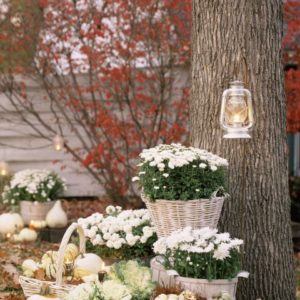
[21, 148]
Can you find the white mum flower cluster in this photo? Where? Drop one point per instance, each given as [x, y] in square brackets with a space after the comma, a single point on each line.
[34, 184]
[202, 240]
[177, 155]
[118, 227]
[32, 180]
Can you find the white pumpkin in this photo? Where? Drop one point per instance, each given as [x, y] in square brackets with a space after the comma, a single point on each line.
[40, 297]
[87, 264]
[27, 235]
[29, 266]
[56, 217]
[10, 223]
[71, 252]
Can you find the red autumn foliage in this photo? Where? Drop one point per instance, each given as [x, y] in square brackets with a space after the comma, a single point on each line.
[112, 71]
[291, 46]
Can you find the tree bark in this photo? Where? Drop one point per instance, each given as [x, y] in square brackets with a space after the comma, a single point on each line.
[242, 40]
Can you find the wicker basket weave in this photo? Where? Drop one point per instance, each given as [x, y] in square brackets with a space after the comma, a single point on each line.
[34, 211]
[33, 286]
[170, 215]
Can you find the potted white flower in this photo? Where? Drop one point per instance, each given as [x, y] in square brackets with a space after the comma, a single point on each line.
[203, 261]
[34, 191]
[182, 186]
[118, 234]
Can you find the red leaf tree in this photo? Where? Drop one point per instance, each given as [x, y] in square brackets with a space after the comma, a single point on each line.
[112, 71]
[291, 45]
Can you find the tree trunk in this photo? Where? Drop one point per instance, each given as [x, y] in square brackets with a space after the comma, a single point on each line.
[242, 40]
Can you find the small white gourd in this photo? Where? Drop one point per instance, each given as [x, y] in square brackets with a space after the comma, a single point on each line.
[10, 223]
[29, 266]
[87, 264]
[27, 235]
[57, 217]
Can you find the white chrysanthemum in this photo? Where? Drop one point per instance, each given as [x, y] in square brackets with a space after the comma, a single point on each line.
[176, 155]
[204, 240]
[109, 230]
[222, 251]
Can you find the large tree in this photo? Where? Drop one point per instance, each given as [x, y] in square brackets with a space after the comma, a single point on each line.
[242, 40]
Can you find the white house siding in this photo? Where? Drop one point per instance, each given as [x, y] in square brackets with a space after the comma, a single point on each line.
[22, 149]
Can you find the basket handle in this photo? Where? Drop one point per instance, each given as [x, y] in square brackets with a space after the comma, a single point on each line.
[63, 246]
[214, 194]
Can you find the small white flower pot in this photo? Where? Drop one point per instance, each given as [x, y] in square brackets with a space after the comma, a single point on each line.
[208, 289]
[34, 211]
[203, 287]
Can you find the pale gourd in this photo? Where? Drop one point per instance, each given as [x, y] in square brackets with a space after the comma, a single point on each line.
[71, 252]
[10, 223]
[27, 235]
[48, 263]
[56, 217]
[29, 266]
[87, 264]
[49, 256]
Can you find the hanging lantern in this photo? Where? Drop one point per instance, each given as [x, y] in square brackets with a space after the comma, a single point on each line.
[4, 170]
[58, 143]
[236, 112]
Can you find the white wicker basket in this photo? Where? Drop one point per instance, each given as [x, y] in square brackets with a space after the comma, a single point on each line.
[208, 289]
[34, 211]
[202, 287]
[33, 286]
[170, 215]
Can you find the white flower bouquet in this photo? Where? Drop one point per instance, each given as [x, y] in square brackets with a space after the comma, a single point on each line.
[200, 253]
[33, 185]
[119, 234]
[176, 172]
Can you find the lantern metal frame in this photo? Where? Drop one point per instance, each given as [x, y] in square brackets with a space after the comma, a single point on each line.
[237, 131]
